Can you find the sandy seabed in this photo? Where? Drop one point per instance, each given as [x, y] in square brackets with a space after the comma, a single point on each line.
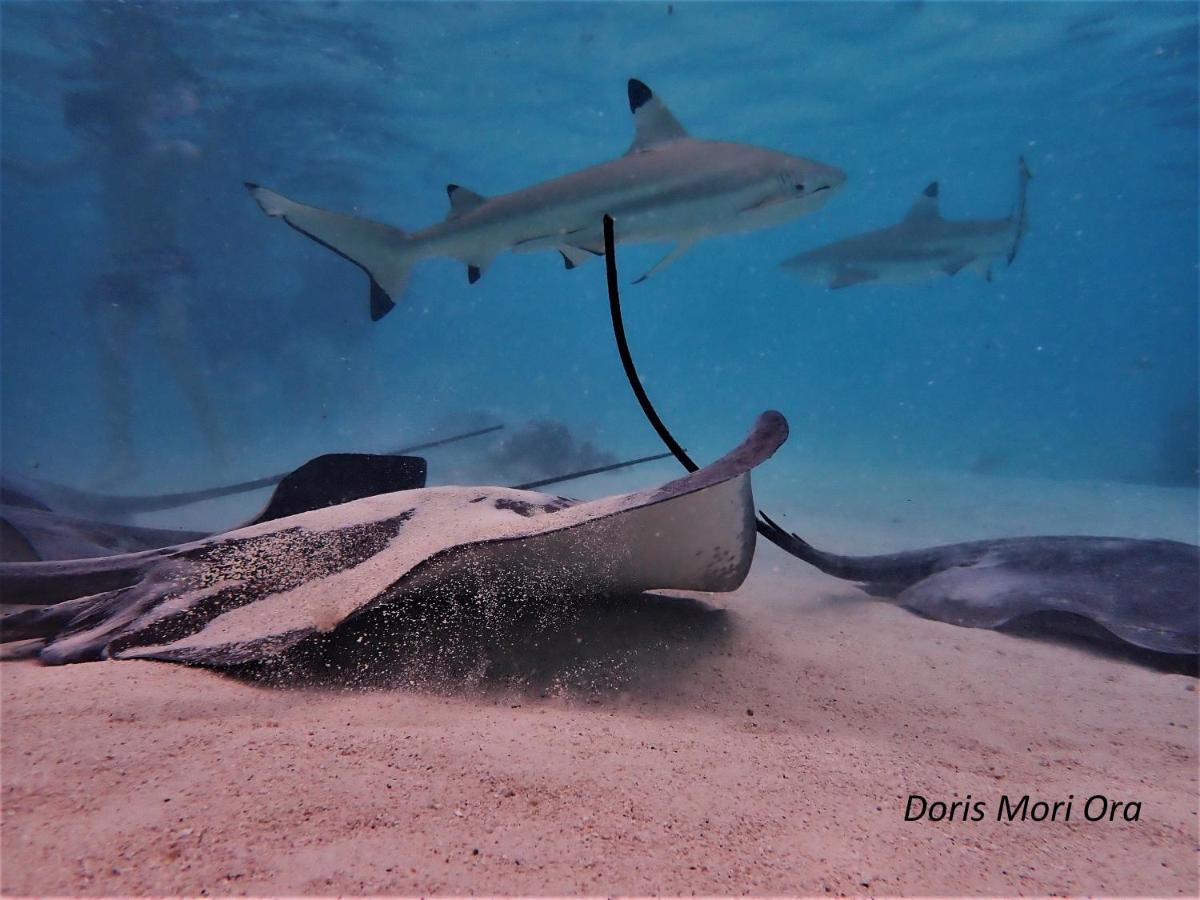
[766, 749]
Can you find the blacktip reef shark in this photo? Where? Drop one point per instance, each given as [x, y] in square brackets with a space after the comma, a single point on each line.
[921, 246]
[669, 186]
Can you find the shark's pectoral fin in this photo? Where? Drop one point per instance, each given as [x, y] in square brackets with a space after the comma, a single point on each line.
[763, 204]
[653, 123]
[588, 240]
[677, 251]
[573, 256]
[462, 201]
[847, 277]
[982, 265]
[956, 264]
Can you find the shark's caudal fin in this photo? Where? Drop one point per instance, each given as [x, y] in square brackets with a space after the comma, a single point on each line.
[379, 250]
[1019, 216]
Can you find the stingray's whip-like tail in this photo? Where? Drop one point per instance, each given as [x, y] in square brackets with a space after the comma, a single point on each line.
[766, 526]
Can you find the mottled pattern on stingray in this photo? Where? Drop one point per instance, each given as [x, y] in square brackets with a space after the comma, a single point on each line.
[494, 560]
[228, 575]
[179, 593]
[527, 509]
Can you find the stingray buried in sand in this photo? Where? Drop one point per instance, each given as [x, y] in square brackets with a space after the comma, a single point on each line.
[259, 591]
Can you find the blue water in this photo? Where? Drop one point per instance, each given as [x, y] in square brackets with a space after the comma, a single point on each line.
[1079, 362]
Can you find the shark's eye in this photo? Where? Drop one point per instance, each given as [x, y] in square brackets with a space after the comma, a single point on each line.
[800, 186]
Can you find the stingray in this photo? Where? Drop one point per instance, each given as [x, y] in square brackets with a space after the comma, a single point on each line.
[264, 590]
[31, 530]
[1143, 593]
[42, 494]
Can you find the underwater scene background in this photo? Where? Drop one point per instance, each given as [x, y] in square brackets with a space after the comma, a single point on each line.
[1075, 367]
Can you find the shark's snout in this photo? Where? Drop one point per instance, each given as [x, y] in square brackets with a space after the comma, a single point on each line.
[828, 178]
[820, 183]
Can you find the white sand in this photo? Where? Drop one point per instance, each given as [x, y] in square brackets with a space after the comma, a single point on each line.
[127, 777]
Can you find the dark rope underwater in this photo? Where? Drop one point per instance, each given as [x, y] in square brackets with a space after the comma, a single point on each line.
[767, 527]
[611, 467]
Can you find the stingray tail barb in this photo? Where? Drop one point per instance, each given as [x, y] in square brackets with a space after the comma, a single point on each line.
[382, 251]
[1019, 216]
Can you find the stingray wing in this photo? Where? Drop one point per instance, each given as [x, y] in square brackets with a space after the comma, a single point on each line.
[1145, 592]
[322, 481]
[260, 590]
[339, 478]
[32, 531]
[32, 534]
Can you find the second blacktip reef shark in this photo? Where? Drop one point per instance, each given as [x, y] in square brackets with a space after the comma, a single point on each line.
[920, 247]
[669, 186]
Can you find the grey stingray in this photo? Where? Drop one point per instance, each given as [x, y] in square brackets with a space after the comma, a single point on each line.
[28, 534]
[259, 591]
[1142, 592]
[335, 468]
[30, 529]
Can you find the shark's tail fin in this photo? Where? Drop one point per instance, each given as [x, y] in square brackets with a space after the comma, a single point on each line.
[1019, 217]
[379, 250]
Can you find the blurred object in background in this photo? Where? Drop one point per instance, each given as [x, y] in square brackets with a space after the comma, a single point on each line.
[134, 122]
[544, 447]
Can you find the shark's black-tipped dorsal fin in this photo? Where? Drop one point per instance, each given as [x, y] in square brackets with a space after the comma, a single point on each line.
[653, 123]
[926, 206]
[462, 200]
